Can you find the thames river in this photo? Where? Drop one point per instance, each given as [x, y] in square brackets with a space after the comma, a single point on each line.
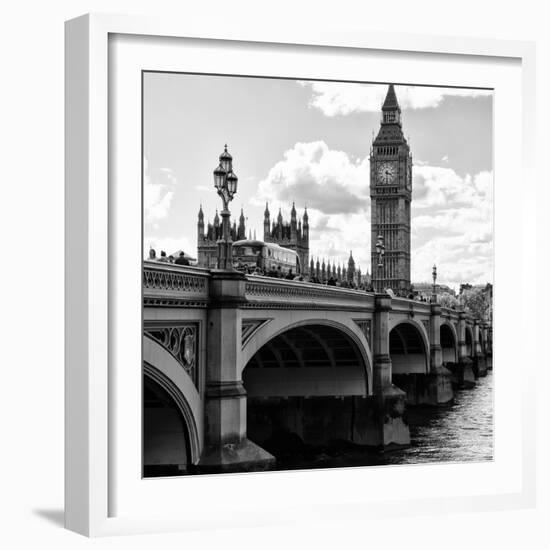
[461, 432]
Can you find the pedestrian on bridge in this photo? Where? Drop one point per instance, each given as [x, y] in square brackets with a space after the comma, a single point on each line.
[182, 260]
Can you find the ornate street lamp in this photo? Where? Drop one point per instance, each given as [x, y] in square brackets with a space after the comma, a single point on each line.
[380, 249]
[434, 277]
[225, 182]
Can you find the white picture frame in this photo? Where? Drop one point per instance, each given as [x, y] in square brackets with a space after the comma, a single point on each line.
[93, 220]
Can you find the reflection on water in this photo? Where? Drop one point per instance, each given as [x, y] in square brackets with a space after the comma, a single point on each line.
[460, 432]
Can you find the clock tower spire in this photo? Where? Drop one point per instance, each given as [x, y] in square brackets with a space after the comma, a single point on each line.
[391, 194]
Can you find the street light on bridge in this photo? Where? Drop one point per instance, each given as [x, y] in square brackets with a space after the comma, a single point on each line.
[434, 277]
[380, 249]
[225, 182]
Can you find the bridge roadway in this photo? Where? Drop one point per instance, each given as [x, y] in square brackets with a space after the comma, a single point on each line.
[231, 362]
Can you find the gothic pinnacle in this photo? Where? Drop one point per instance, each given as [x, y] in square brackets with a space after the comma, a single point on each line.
[390, 103]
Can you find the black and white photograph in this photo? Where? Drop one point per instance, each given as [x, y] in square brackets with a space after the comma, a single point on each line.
[317, 274]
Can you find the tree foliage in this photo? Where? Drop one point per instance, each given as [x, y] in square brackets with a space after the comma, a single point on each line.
[477, 302]
[448, 300]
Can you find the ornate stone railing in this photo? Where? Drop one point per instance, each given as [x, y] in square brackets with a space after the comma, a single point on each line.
[281, 293]
[410, 307]
[174, 285]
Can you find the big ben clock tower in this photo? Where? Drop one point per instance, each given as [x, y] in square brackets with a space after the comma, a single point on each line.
[391, 193]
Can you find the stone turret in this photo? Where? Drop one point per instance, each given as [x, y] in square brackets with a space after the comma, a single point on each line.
[267, 223]
[292, 235]
[351, 268]
[200, 226]
[241, 231]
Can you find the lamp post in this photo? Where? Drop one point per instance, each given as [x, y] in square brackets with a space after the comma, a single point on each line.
[434, 277]
[380, 248]
[225, 182]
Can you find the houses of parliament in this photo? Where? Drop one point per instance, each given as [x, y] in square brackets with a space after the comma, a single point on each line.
[293, 234]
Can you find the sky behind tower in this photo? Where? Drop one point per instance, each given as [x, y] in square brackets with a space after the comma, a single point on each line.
[309, 143]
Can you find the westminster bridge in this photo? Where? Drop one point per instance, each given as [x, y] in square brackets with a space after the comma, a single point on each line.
[231, 360]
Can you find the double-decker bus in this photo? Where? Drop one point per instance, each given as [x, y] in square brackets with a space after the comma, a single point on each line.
[253, 256]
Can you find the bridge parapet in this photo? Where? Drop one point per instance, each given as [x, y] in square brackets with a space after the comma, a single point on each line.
[174, 285]
[414, 307]
[269, 292]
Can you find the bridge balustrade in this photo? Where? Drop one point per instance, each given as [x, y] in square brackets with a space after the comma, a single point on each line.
[406, 305]
[171, 285]
[270, 291]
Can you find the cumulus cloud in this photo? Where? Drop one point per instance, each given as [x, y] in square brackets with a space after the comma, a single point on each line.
[323, 179]
[452, 225]
[440, 186]
[341, 234]
[339, 98]
[157, 193]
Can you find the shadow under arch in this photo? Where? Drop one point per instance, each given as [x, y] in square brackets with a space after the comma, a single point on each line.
[348, 328]
[165, 440]
[449, 342]
[302, 387]
[409, 348]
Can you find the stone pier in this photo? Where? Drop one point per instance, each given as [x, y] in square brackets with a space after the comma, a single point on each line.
[479, 362]
[463, 371]
[385, 424]
[227, 447]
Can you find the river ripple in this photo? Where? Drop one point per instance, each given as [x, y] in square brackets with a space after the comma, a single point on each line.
[461, 432]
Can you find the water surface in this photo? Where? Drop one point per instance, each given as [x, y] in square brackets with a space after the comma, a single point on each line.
[461, 432]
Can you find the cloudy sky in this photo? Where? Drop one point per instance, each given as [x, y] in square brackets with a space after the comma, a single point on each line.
[309, 142]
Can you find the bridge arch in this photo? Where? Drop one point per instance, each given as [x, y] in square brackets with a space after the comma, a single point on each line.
[306, 384]
[449, 342]
[346, 327]
[409, 348]
[162, 372]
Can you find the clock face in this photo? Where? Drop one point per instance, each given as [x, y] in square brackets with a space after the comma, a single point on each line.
[386, 173]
